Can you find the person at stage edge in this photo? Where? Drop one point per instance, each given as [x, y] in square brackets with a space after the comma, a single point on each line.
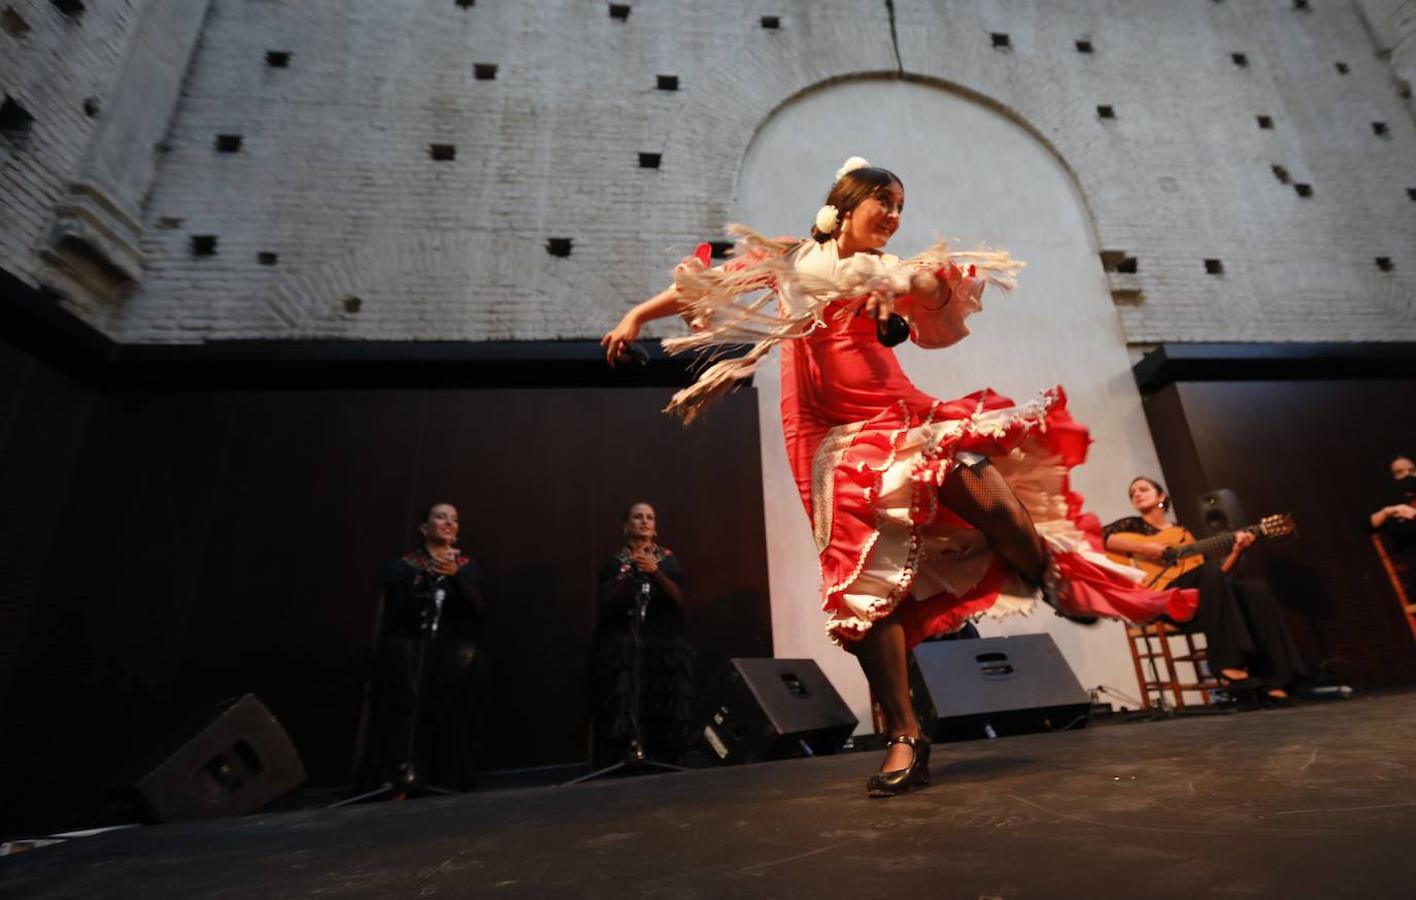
[1249, 645]
[926, 513]
[1396, 522]
[433, 605]
[642, 690]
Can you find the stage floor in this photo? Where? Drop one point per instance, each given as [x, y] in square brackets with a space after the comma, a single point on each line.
[1316, 801]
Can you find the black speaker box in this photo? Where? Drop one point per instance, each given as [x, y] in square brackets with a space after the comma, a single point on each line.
[1220, 510]
[230, 759]
[775, 709]
[994, 687]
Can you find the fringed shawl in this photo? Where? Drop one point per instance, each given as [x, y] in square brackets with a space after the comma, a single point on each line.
[734, 304]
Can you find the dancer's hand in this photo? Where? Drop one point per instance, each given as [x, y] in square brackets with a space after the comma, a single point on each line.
[616, 342]
[879, 306]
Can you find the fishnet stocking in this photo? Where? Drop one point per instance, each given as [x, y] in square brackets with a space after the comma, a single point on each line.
[979, 495]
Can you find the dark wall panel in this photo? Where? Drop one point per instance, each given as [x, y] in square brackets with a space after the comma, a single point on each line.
[1318, 450]
[170, 548]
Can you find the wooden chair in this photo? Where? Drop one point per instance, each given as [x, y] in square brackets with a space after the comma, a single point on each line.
[1398, 572]
[1157, 665]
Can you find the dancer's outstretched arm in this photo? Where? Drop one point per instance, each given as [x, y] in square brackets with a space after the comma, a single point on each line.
[616, 342]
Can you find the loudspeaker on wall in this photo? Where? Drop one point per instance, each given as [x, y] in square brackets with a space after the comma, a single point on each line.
[1220, 510]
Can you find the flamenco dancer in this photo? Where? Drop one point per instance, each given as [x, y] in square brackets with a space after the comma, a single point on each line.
[927, 513]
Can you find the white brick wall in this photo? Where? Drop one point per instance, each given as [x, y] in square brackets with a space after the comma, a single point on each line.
[50, 70]
[334, 175]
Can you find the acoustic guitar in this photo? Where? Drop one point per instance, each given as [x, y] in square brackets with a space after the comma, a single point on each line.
[1185, 554]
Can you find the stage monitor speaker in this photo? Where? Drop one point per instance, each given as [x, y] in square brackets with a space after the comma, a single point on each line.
[994, 687]
[232, 758]
[1221, 510]
[775, 709]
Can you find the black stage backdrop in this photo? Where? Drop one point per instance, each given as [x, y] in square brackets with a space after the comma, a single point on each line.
[1317, 449]
[161, 549]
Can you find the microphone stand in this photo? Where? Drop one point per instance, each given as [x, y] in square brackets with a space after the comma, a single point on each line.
[636, 760]
[405, 782]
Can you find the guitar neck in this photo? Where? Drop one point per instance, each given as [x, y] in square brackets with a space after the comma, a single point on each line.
[1210, 544]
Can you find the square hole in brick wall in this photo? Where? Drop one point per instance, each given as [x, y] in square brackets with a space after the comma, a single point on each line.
[15, 120]
[168, 223]
[619, 11]
[1380, 129]
[352, 305]
[71, 8]
[1084, 46]
[1304, 190]
[1240, 60]
[1411, 194]
[1265, 122]
[649, 160]
[1118, 261]
[203, 245]
[1302, 6]
[771, 23]
[1384, 263]
[1214, 267]
[484, 71]
[267, 258]
[1342, 68]
[278, 59]
[720, 249]
[1105, 112]
[228, 143]
[667, 82]
[559, 246]
[91, 107]
[466, 4]
[1001, 41]
[443, 152]
[1280, 173]
[13, 23]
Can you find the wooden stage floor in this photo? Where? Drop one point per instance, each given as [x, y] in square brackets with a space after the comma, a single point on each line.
[1314, 801]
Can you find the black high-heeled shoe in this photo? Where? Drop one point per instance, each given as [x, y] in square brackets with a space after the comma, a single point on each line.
[916, 774]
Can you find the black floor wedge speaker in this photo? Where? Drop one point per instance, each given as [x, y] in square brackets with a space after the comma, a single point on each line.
[994, 687]
[776, 709]
[232, 758]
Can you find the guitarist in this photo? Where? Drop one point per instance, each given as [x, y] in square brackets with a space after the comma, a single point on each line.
[1250, 646]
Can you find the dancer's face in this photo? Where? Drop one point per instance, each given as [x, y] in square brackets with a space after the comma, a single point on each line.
[441, 525]
[1144, 496]
[874, 220]
[641, 523]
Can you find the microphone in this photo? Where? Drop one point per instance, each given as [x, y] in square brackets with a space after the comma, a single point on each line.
[439, 595]
[641, 605]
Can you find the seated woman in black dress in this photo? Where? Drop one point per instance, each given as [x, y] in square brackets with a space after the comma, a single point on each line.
[433, 610]
[1245, 632]
[640, 649]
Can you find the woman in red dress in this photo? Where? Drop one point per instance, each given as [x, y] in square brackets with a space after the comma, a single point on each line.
[926, 513]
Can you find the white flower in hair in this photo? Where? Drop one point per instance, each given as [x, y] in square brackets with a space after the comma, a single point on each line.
[850, 165]
[827, 218]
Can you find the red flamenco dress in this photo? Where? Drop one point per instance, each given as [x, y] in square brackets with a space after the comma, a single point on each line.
[869, 450]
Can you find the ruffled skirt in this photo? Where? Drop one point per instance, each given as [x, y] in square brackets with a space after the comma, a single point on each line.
[887, 543]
